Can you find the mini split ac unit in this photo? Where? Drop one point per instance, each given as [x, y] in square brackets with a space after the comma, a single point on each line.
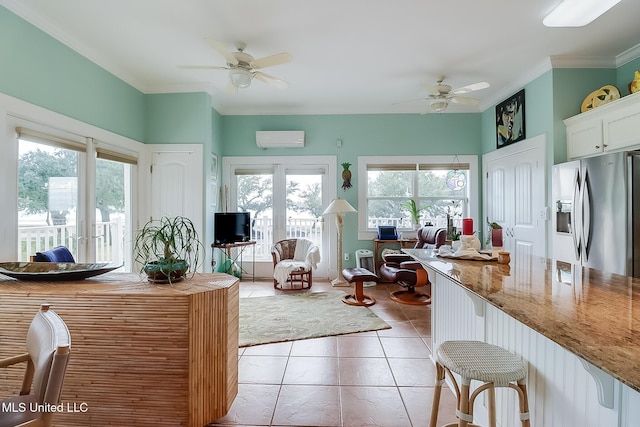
[280, 139]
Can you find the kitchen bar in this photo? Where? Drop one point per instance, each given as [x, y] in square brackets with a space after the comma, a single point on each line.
[563, 319]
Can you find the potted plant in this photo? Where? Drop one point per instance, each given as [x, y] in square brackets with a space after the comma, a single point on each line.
[167, 249]
[414, 211]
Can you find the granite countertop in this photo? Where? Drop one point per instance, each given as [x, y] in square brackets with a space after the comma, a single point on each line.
[593, 314]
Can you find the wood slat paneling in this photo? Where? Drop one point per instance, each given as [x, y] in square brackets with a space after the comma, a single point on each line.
[141, 354]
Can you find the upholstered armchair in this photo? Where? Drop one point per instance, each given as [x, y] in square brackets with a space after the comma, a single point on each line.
[293, 263]
[408, 273]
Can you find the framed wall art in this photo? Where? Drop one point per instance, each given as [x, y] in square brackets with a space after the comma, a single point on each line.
[510, 126]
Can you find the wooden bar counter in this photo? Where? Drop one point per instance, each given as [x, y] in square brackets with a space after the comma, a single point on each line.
[141, 354]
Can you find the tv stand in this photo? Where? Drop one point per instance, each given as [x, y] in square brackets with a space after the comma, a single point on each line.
[225, 249]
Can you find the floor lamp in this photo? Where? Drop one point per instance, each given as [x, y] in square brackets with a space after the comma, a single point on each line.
[339, 207]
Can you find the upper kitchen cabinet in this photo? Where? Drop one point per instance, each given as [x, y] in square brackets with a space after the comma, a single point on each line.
[610, 127]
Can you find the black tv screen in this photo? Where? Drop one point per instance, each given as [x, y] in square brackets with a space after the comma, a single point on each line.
[231, 227]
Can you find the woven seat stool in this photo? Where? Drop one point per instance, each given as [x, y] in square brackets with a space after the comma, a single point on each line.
[477, 360]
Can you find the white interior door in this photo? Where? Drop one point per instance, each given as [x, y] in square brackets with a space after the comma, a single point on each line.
[177, 183]
[515, 194]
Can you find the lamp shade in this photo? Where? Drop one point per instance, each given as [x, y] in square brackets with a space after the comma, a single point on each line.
[339, 206]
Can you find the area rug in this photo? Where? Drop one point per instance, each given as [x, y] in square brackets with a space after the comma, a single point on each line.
[300, 316]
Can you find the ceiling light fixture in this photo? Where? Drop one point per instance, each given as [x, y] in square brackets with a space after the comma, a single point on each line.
[577, 13]
[438, 105]
[240, 77]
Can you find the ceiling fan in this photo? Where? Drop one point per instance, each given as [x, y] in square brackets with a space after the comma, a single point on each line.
[441, 94]
[243, 68]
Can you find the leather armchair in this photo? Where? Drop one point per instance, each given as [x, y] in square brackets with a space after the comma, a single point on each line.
[408, 273]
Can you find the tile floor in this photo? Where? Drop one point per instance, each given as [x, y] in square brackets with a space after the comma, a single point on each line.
[382, 378]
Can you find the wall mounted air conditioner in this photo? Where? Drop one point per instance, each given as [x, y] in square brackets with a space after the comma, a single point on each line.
[280, 139]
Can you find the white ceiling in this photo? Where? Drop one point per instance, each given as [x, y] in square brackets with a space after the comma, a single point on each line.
[349, 56]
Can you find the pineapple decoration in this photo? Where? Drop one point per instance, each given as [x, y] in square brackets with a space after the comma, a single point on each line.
[346, 176]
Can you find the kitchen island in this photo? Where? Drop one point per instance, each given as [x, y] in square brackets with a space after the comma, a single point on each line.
[141, 353]
[578, 329]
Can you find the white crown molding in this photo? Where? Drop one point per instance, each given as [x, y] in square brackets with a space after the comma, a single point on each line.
[628, 55]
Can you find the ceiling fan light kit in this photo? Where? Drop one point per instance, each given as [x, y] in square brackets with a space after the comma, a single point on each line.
[439, 105]
[240, 77]
[577, 13]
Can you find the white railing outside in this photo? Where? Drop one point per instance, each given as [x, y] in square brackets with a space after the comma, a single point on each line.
[108, 235]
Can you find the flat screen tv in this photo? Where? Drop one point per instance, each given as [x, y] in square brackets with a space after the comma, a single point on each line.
[232, 227]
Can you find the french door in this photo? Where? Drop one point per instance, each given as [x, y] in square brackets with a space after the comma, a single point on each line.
[286, 200]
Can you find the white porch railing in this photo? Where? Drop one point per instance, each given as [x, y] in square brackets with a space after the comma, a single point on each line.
[108, 235]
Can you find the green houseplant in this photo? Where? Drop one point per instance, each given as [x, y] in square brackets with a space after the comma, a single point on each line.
[167, 249]
[414, 211]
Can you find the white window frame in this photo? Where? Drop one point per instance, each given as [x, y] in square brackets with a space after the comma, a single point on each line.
[364, 233]
[16, 113]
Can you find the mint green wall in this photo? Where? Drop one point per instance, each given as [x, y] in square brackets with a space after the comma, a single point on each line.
[361, 135]
[179, 118]
[40, 70]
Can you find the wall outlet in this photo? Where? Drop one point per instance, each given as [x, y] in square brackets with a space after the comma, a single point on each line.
[346, 256]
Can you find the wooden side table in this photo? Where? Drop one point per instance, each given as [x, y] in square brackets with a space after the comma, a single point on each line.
[381, 244]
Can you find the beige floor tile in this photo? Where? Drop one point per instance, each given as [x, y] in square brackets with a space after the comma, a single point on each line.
[261, 369]
[359, 346]
[302, 405]
[325, 346]
[254, 405]
[373, 406]
[365, 371]
[404, 347]
[311, 370]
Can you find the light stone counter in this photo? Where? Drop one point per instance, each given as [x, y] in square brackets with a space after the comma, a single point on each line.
[592, 314]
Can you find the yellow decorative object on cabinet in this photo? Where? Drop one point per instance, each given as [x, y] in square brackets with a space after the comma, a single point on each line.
[600, 97]
[634, 85]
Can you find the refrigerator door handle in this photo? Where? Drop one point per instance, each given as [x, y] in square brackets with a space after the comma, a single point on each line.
[576, 216]
[586, 216]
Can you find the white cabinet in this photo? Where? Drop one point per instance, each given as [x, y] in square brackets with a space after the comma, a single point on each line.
[610, 127]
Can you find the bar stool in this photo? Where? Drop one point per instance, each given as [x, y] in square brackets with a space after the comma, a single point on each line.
[477, 360]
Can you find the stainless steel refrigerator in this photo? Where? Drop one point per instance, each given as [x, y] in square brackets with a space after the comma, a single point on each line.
[596, 212]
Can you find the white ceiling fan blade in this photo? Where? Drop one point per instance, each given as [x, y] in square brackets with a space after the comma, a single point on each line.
[203, 67]
[231, 88]
[223, 51]
[270, 80]
[465, 101]
[270, 61]
[431, 90]
[470, 88]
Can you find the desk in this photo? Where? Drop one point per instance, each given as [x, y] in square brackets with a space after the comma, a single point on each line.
[381, 244]
[225, 249]
[141, 353]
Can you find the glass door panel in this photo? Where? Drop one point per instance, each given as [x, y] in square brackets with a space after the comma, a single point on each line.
[304, 207]
[47, 199]
[255, 195]
[112, 206]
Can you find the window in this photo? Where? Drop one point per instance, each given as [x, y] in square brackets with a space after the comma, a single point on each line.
[56, 173]
[392, 182]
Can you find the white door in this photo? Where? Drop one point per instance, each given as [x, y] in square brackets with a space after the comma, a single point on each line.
[515, 189]
[177, 183]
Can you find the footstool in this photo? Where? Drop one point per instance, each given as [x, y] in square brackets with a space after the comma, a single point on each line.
[358, 276]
